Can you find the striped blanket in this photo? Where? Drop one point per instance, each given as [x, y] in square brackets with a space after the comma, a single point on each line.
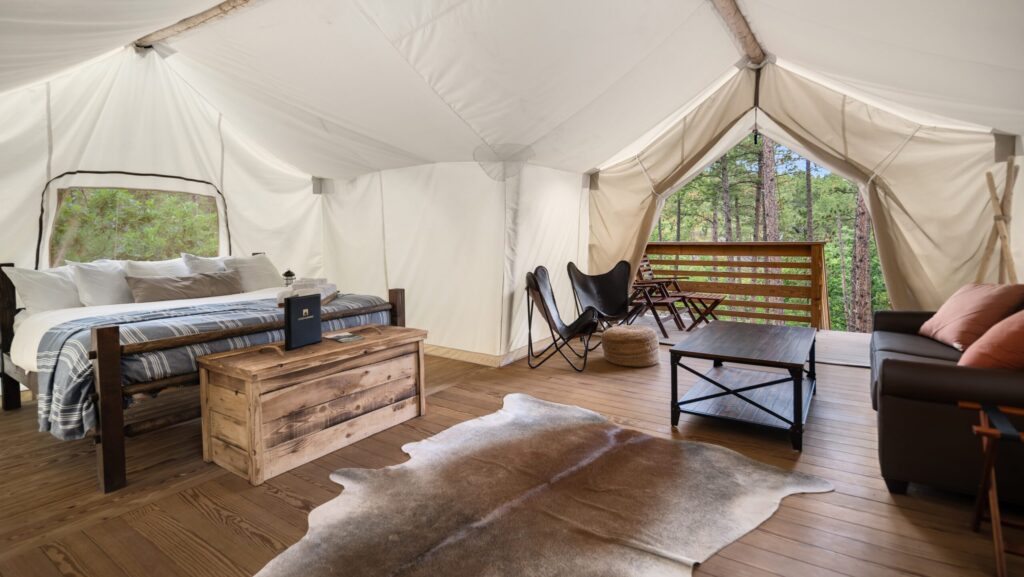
[66, 407]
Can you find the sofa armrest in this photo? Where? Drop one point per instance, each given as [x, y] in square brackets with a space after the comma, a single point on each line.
[949, 384]
[907, 322]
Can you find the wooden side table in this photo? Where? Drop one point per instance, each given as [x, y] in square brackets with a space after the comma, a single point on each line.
[994, 427]
[266, 410]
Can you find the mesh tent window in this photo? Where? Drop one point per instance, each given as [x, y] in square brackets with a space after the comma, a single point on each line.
[138, 224]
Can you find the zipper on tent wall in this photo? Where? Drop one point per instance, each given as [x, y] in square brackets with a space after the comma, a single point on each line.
[757, 99]
[223, 199]
[49, 170]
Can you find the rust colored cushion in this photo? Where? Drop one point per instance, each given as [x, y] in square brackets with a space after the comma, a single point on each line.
[1001, 347]
[971, 311]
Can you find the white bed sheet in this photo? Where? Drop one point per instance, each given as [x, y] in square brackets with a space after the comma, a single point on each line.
[30, 330]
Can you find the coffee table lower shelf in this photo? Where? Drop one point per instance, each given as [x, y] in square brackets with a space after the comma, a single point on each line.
[738, 405]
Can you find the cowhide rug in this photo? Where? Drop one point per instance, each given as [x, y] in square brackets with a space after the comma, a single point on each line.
[540, 489]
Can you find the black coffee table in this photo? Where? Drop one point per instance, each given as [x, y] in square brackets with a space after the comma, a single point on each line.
[770, 399]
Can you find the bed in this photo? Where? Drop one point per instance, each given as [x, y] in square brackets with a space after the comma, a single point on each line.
[87, 364]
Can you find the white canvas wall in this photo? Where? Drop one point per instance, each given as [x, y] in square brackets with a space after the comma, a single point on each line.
[460, 243]
[396, 99]
[132, 113]
[22, 171]
[550, 228]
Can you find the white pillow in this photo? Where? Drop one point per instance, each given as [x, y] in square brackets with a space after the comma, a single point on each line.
[257, 272]
[44, 290]
[201, 264]
[101, 283]
[143, 268]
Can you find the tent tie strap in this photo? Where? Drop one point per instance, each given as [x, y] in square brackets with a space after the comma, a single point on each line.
[1002, 218]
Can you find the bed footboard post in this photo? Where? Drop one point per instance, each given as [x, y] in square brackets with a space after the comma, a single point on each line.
[110, 454]
[8, 308]
[397, 299]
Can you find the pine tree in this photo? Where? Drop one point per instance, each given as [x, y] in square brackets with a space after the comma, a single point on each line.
[809, 205]
[860, 274]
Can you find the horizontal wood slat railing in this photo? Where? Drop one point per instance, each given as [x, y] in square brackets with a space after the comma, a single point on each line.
[762, 281]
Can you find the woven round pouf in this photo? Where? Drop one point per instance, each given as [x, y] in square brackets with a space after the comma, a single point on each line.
[630, 346]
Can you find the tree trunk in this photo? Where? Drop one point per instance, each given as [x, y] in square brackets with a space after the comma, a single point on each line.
[679, 216]
[726, 202]
[842, 272]
[714, 222]
[736, 216]
[769, 190]
[810, 201]
[757, 199]
[769, 206]
[861, 271]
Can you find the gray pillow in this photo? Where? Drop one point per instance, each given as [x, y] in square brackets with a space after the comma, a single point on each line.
[195, 286]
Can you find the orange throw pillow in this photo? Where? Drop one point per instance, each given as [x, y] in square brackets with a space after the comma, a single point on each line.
[1001, 347]
[971, 311]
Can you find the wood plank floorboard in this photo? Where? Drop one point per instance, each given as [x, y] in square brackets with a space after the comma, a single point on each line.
[179, 516]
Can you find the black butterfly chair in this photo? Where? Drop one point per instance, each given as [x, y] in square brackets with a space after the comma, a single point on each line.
[606, 293]
[539, 293]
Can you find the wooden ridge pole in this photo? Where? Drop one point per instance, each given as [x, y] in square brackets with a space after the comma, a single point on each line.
[218, 11]
[740, 29]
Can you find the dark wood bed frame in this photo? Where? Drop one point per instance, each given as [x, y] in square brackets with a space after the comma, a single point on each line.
[110, 393]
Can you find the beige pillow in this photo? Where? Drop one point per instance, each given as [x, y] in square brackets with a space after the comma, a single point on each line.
[257, 271]
[196, 286]
[971, 311]
[198, 264]
[151, 268]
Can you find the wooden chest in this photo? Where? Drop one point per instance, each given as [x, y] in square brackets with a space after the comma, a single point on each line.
[266, 410]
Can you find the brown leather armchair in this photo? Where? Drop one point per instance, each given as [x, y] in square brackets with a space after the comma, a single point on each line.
[923, 437]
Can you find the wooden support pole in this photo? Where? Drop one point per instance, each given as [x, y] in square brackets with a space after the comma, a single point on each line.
[740, 29]
[1007, 206]
[397, 299]
[1000, 234]
[110, 453]
[218, 11]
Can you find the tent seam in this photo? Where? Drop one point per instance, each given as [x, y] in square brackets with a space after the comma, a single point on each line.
[288, 104]
[617, 81]
[383, 229]
[891, 157]
[425, 79]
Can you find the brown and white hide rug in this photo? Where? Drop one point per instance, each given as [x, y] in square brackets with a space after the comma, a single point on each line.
[539, 489]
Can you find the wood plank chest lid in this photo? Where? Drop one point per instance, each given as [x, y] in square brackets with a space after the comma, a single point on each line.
[266, 410]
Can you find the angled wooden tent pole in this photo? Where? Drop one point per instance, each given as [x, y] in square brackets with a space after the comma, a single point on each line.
[1007, 207]
[737, 24]
[1000, 234]
[218, 11]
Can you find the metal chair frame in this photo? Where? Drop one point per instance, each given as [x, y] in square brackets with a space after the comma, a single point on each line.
[557, 344]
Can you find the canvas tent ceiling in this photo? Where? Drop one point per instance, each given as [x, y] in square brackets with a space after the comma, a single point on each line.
[402, 101]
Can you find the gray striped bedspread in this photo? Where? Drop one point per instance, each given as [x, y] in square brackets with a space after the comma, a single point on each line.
[65, 405]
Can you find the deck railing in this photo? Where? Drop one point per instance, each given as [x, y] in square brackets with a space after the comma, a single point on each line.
[762, 281]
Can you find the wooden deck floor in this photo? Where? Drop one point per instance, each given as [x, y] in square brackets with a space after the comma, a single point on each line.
[179, 516]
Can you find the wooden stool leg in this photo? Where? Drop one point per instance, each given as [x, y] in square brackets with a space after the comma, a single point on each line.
[997, 524]
[987, 467]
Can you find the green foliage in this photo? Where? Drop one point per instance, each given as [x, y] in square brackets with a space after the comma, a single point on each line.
[120, 223]
[689, 214]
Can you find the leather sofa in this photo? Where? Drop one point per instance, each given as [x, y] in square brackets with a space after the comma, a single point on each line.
[923, 437]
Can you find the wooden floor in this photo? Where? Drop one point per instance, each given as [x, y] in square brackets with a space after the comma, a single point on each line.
[179, 516]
